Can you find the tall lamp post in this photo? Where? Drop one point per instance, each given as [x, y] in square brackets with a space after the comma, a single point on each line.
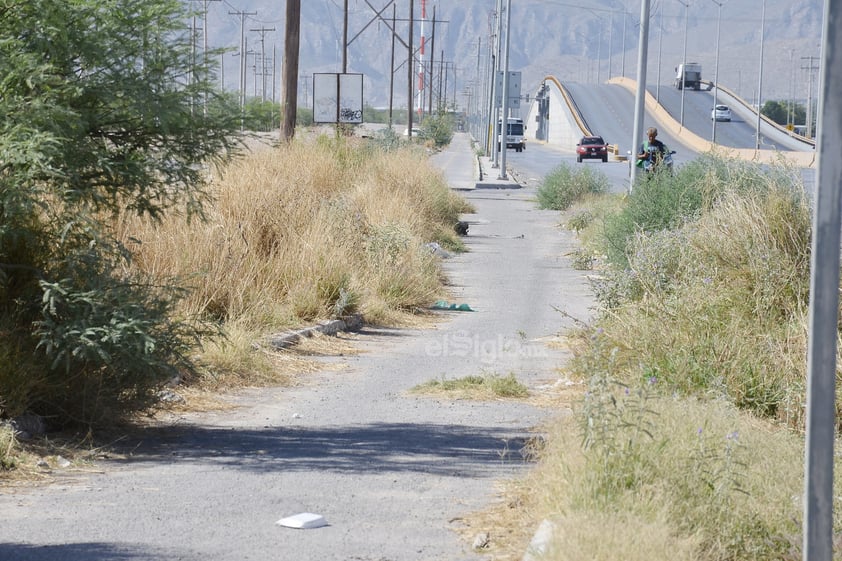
[760, 73]
[660, 45]
[716, 69]
[684, 57]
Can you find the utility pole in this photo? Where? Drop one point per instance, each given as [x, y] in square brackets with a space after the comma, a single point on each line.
[495, 112]
[242, 16]
[642, 52]
[477, 82]
[345, 40]
[442, 72]
[432, 63]
[290, 72]
[504, 116]
[392, 68]
[263, 31]
[823, 318]
[812, 64]
[491, 87]
[204, 43]
[410, 97]
[760, 72]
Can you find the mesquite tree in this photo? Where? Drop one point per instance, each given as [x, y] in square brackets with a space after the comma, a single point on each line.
[106, 109]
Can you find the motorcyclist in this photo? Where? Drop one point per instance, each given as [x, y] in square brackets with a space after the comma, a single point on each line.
[652, 151]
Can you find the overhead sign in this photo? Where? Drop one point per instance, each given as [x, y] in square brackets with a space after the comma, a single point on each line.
[338, 98]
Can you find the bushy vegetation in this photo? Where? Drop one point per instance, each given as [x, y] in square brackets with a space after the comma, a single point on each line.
[323, 227]
[717, 278]
[98, 123]
[783, 112]
[132, 254]
[567, 184]
[694, 373]
[438, 128]
[640, 474]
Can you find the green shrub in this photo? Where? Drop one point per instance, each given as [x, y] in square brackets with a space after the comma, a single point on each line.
[386, 140]
[565, 185]
[97, 124]
[666, 201]
[698, 468]
[439, 128]
[718, 306]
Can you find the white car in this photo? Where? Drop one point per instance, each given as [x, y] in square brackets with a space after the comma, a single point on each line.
[721, 113]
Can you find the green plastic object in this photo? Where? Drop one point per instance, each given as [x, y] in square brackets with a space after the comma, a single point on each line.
[442, 305]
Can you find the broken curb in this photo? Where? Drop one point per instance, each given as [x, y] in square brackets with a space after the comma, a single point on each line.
[331, 327]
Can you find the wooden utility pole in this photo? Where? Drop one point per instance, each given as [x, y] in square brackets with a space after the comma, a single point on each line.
[290, 74]
[262, 31]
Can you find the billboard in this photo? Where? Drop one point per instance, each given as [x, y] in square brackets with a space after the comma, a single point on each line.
[338, 98]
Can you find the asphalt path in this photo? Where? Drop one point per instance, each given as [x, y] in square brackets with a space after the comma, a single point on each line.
[392, 473]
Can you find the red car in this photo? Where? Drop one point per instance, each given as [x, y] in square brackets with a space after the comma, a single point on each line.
[591, 147]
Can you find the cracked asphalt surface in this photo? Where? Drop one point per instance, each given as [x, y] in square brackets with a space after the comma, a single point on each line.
[393, 473]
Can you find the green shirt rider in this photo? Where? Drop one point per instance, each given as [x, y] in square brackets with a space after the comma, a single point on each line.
[652, 151]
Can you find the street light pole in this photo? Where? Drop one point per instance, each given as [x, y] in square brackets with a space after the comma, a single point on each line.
[660, 44]
[610, 40]
[760, 73]
[684, 57]
[640, 94]
[623, 66]
[504, 126]
[716, 71]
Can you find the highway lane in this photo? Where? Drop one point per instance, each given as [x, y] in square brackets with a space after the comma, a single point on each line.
[609, 112]
[739, 133]
[532, 166]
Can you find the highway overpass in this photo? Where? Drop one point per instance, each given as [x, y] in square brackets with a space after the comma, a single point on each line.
[608, 110]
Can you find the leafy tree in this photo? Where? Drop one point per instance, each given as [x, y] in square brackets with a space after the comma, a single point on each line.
[105, 112]
[439, 128]
[261, 115]
[779, 111]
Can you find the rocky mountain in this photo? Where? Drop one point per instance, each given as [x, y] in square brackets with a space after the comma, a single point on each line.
[575, 40]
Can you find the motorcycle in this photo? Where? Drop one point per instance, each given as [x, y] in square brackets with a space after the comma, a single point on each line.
[656, 162]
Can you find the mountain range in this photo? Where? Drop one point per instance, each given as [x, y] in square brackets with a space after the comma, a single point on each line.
[574, 40]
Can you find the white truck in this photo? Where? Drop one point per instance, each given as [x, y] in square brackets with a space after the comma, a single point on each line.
[688, 75]
[514, 134]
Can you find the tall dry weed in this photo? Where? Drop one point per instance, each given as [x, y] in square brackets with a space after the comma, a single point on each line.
[700, 480]
[307, 231]
[718, 305]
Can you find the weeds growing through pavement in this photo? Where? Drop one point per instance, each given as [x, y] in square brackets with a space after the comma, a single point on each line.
[476, 387]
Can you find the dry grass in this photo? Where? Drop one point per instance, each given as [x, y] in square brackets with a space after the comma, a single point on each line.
[484, 386]
[308, 231]
[297, 233]
[674, 502]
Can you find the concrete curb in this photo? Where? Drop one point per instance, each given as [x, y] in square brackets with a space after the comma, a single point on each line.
[330, 327]
[492, 182]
